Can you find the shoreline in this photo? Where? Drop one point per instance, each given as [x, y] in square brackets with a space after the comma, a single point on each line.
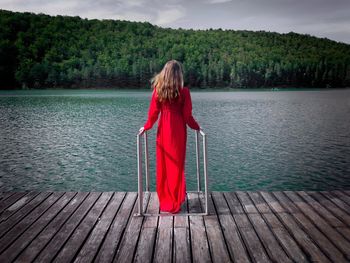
[194, 89]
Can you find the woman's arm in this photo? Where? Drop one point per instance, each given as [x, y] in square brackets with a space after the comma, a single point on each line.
[153, 111]
[187, 111]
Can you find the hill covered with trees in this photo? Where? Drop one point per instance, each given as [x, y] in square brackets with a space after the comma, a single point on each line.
[40, 51]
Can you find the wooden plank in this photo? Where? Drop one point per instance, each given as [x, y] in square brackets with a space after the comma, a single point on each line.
[272, 220]
[194, 205]
[216, 239]
[321, 240]
[76, 240]
[304, 208]
[5, 226]
[288, 243]
[254, 227]
[345, 231]
[16, 207]
[125, 252]
[6, 195]
[343, 195]
[90, 247]
[332, 207]
[180, 220]
[338, 199]
[288, 205]
[242, 221]
[19, 228]
[273, 248]
[220, 202]
[182, 246]
[234, 242]
[198, 235]
[259, 202]
[20, 243]
[329, 217]
[337, 239]
[55, 244]
[145, 247]
[252, 243]
[152, 208]
[246, 203]
[11, 200]
[277, 229]
[308, 246]
[164, 240]
[272, 202]
[166, 221]
[40, 241]
[163, 249]
[233, 203]
[276, 226]
[115, 232]
[182, 250]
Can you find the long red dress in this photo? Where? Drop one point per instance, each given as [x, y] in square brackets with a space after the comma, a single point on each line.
[171, 147]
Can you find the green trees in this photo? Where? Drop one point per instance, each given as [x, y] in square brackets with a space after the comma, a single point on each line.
[38, 51]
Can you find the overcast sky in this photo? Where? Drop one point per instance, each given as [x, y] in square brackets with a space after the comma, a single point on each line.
[322, 18]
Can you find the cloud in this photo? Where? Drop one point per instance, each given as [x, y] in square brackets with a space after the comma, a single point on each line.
[134, 10]
[170, 15]
[37, 6]
[131, 3]
[218, 1]
[133, 16]
[323, 18]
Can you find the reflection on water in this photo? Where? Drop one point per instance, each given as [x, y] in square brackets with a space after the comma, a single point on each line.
[86, 140]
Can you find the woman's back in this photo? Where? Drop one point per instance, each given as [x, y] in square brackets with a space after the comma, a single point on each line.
[175, 105]
[181, 105]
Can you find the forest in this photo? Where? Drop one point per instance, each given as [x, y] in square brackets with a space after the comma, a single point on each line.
[42, 51]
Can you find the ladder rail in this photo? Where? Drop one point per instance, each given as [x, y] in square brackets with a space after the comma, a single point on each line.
[140, 178]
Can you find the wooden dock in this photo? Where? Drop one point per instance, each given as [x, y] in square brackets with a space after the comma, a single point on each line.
[241, 227]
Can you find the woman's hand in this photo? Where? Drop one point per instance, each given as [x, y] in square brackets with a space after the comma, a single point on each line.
[141, 130]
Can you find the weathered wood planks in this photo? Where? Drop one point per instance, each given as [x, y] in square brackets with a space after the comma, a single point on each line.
[301, 226]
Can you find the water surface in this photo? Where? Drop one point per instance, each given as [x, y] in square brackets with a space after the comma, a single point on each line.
[85, 140]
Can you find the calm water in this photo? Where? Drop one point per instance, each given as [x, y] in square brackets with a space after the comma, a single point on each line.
[86, 140]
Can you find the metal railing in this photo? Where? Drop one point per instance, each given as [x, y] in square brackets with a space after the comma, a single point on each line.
[140, 178]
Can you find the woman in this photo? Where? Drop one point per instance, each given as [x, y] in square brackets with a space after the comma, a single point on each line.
[173, 101]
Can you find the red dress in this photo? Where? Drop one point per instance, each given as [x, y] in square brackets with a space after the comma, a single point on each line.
[171, 147]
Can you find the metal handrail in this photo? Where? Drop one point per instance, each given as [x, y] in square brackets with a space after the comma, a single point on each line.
[139, 172]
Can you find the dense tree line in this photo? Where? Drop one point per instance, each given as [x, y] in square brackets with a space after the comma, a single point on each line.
[38, 51]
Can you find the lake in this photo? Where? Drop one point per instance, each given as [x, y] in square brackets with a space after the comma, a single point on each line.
[85, 140]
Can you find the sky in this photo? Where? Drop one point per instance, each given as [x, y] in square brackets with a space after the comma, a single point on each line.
[321, 18]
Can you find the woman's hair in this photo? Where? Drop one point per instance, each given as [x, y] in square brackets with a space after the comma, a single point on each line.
[169, 81]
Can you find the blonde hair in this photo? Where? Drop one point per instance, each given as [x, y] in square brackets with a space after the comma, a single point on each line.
[169, 81]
